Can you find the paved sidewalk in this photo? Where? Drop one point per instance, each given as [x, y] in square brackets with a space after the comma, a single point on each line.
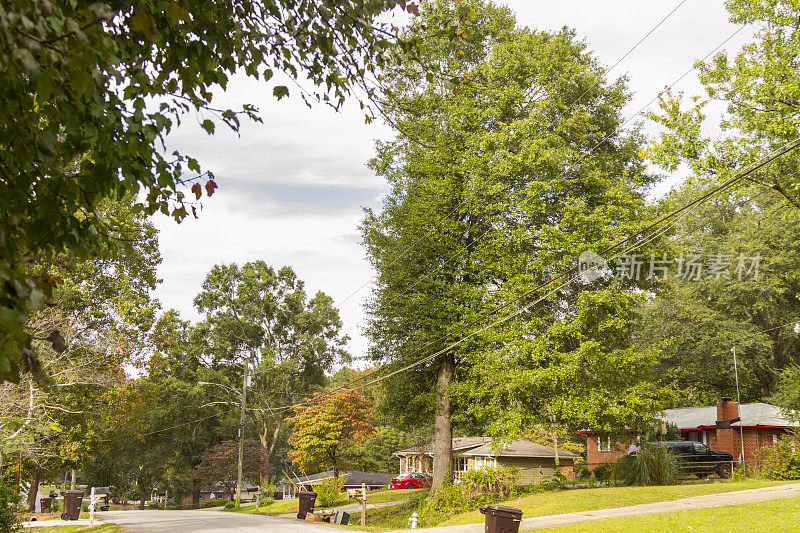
[695, 502]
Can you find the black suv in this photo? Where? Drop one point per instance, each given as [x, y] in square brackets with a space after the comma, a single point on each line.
[698, 459]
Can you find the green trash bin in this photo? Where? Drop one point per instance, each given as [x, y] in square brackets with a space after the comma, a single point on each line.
[501, 519]
[72, 504]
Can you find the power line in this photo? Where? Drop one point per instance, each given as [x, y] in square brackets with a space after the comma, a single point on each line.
[574, 103]
[582, 158]
[684, 209]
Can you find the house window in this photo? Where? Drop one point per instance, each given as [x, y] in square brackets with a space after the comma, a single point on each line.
[459, 464]
[604, 444]
[485, 462]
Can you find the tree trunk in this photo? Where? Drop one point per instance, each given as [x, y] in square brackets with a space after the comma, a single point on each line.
[443, 442]
[73, 478]
[34, 489]
[195, 494]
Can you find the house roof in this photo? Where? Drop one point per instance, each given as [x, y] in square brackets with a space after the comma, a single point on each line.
[752, 414]
[520, 448]
[459, 443]
[355, 478]
[482, 446]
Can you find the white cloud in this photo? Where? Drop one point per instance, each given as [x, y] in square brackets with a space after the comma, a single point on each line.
[291, 188]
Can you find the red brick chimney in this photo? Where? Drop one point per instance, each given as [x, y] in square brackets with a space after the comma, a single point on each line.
[727, 410]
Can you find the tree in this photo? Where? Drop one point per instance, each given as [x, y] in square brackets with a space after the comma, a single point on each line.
[695, 322]
[787, 394]
[327, 427]
[218, 465]
[100, 313]
[91, 89]
[496, 185]
[263, 318]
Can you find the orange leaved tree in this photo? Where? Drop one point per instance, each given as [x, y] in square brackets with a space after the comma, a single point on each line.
[326, 427]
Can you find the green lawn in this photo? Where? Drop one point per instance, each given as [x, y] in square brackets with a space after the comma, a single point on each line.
[776, 515]
[565, 501]
[105, 528]
[376, 496]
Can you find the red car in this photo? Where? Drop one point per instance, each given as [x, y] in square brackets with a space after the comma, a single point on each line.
[412, 480]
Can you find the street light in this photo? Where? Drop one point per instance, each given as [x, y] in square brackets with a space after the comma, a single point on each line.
[243, 397]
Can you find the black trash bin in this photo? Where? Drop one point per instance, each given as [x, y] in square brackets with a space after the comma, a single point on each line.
[307, 499]
[72, 504]
[501, 519]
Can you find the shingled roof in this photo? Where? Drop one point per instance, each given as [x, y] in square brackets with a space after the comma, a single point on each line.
[752, 414]
[520, 448]
[482, 446]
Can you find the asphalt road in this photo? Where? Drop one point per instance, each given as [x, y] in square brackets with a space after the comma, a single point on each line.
[207, 522]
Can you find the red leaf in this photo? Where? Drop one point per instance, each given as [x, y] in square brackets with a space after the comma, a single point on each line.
[413, 8]
[210, 186]
[197, 190]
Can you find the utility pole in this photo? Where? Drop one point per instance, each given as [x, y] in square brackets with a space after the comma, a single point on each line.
[241, 435]
[739, 401]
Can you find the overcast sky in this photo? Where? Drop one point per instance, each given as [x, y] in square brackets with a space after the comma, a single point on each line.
[291, 190]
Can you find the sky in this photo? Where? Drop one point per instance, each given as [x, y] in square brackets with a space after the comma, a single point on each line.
[292, 189]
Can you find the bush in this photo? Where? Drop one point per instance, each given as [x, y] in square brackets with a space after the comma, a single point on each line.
[488, 482]
[603, 471]
[782, 460]
[653, 465]
[329, 493]
[214, 503]
[54, 505]
[476, 488]
[230, 506]
[9, 518]
[266, 500]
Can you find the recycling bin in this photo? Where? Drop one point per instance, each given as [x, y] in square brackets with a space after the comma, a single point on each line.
[341, 517]
[307, 499]
[72, 504]
[501, 519]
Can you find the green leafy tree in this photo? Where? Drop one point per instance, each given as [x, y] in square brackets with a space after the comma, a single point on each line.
[327, 428]
[92, 89]
[495, 185]
[695, 320]
[787, 393]
[264, 318]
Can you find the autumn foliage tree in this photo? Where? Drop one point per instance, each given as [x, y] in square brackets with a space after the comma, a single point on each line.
[218, 465]
[327, 427]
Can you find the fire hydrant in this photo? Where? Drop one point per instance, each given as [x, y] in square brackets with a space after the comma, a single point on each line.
[413, 520]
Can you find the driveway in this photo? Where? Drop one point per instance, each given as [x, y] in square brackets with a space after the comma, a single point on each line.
[207, 522]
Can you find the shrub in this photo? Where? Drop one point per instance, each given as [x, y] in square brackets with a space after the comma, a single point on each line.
[782, 460]
[488, 482]
[653, 465]
[329, 493]
[214, 503]
[230, 506]
[54, 506]
[9, 518]
[603, 471]
[266, 500]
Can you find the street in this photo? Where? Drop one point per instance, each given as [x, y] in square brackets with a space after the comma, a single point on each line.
[206, 522]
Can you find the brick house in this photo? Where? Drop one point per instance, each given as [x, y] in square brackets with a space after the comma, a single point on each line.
[721, 428]
[534, 462]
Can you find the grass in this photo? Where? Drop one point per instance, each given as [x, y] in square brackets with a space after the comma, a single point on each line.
[769, 516]
[565, 501]
[556, 502]
[291, 506]
[104, 528]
